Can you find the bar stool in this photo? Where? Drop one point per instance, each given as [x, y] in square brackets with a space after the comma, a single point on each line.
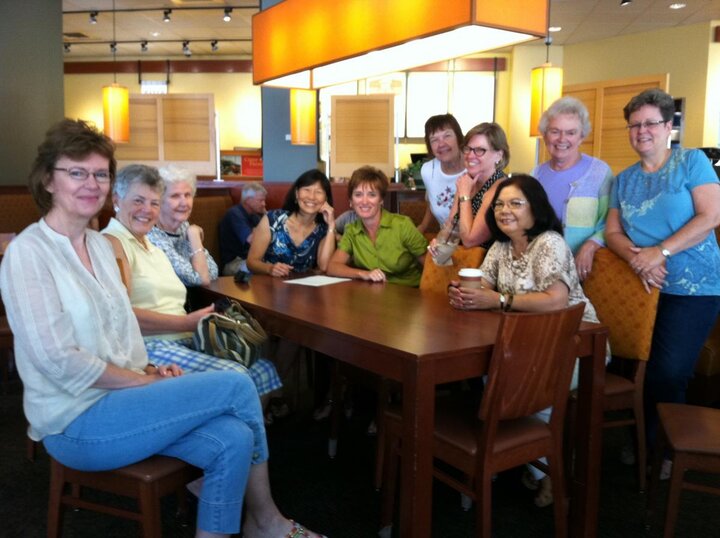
[147, 481]
[692, 434]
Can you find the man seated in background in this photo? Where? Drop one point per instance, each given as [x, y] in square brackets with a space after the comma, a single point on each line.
[236, 228]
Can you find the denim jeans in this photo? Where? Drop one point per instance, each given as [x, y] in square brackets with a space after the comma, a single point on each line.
[682, 325]
[212, 420]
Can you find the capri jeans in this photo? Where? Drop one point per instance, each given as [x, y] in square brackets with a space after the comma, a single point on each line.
[211, 420]
[682, 325]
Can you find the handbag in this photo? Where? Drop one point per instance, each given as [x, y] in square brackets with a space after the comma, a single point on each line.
[230, 333]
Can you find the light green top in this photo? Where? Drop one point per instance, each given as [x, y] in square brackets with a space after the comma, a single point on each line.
[395, 251]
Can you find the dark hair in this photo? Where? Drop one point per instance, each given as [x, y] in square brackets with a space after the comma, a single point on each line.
[75, 139]
[542, 211]
[653, 97]
[305, 180]
[496, 137]
[438, 123]
[369, 175]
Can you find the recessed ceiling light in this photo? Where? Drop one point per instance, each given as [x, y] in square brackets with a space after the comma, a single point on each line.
[155, 34]
[677, 5]
[555, 28]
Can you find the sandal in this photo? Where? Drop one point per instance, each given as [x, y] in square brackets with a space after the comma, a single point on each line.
[298, 531]
[544, 497]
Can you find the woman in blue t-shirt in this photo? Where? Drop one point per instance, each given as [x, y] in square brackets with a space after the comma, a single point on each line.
[663, 212]
[301, 235]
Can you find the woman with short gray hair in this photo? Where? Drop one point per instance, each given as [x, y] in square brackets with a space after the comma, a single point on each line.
[577, 185]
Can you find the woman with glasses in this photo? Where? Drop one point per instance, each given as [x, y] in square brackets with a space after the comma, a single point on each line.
[529, 268]
[663, 213]
[90, 394]
[577, 185]
[486, 154]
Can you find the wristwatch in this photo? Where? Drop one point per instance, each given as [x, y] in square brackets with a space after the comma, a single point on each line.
[665, 252]
[464, 198]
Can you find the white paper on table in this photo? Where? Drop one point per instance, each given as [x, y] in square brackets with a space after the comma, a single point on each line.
[317, 280]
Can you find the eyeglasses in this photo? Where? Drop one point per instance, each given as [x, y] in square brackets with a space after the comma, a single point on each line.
[648, 124]
[80, 174]
[514, 204]
[479, 152]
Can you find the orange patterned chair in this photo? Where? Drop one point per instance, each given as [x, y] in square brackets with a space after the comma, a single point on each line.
[436, 277]
[628, 311]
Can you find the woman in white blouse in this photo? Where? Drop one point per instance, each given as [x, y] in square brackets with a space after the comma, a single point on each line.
[89, 392]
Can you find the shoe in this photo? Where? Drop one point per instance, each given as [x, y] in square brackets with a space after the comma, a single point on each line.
[372, 429]
[666, 470]
[627, 455]
[298, 531]
[321, 413]
[529, 481]
[195, 486]
[269, 419]
[544, 497]
[279, 408]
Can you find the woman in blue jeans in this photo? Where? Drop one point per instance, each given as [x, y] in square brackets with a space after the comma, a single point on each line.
[89, 392]
[663, 213]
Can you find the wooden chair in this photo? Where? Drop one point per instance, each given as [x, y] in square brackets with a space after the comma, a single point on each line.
[628, 311]
[530, 370]
[147, 481]
[692, 434]
[437, 278]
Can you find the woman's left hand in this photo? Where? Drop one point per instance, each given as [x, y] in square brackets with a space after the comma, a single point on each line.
[472, 298]
[646, 259]
[328, 214]
[584, 258]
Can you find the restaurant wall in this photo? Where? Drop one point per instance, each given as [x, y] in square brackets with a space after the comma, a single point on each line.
[237, 101]
[711, 133]
[681, 51]
[31, 82]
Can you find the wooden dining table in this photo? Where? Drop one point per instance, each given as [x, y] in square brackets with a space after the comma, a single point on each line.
[416, 338]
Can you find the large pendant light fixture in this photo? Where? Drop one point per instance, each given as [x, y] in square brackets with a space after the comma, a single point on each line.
[116, 103]
[303, 117]
[545, 85]
[315, 43]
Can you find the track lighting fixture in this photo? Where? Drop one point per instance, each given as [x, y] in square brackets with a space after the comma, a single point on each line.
[166, 15]
[186, 49]
[624, 3]
[143, 46]
[66, 46]
[113, 47]
[214, 45]
[227, 17]
[93, 17]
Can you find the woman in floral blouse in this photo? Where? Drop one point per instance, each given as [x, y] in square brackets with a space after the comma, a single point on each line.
[529, 268]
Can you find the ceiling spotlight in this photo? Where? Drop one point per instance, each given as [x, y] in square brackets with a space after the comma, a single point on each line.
[214, 45]
[113, 47]
[186, 49]
[143, 46]
[66, 46]
[624, 3]
[677, 5]
[227, 17]
[93, 17]
[166, 15]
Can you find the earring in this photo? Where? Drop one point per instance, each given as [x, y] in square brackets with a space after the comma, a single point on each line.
[116, 208]
[497, 162]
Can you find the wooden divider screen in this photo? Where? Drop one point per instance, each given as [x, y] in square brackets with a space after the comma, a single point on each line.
[177, 128]
[361, 132]
[605, 100]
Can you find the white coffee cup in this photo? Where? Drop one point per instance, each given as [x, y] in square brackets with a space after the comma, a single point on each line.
[470, 277]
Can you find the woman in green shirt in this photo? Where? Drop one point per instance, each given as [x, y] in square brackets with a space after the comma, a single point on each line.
[380, 246]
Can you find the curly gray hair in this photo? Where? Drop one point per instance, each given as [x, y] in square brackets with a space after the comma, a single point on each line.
[566, 105]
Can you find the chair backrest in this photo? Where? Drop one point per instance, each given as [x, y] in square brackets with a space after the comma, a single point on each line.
[207, 212]
[622, 304]
[532, 363]
[437, 278]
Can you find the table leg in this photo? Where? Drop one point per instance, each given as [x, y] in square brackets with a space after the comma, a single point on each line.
[416, 469]
[585, 488]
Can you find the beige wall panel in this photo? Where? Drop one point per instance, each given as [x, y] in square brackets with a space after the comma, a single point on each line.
[143, 145]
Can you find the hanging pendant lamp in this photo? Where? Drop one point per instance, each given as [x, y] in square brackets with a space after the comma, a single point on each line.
[545, 85]
[303, 117]
[116, 103]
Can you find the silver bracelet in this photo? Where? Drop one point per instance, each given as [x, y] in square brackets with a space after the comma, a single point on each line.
[196, 251]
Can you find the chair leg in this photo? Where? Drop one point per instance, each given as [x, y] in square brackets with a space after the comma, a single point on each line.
[382, 401]
[655, 475]
[676, 480]
[483, 508]
[149, 501]
[560, 504]
[641, 443]
[389, 490]
[55, 510]
[336, 391]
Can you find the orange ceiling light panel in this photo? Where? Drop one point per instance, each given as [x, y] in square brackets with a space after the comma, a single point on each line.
[317, 43]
